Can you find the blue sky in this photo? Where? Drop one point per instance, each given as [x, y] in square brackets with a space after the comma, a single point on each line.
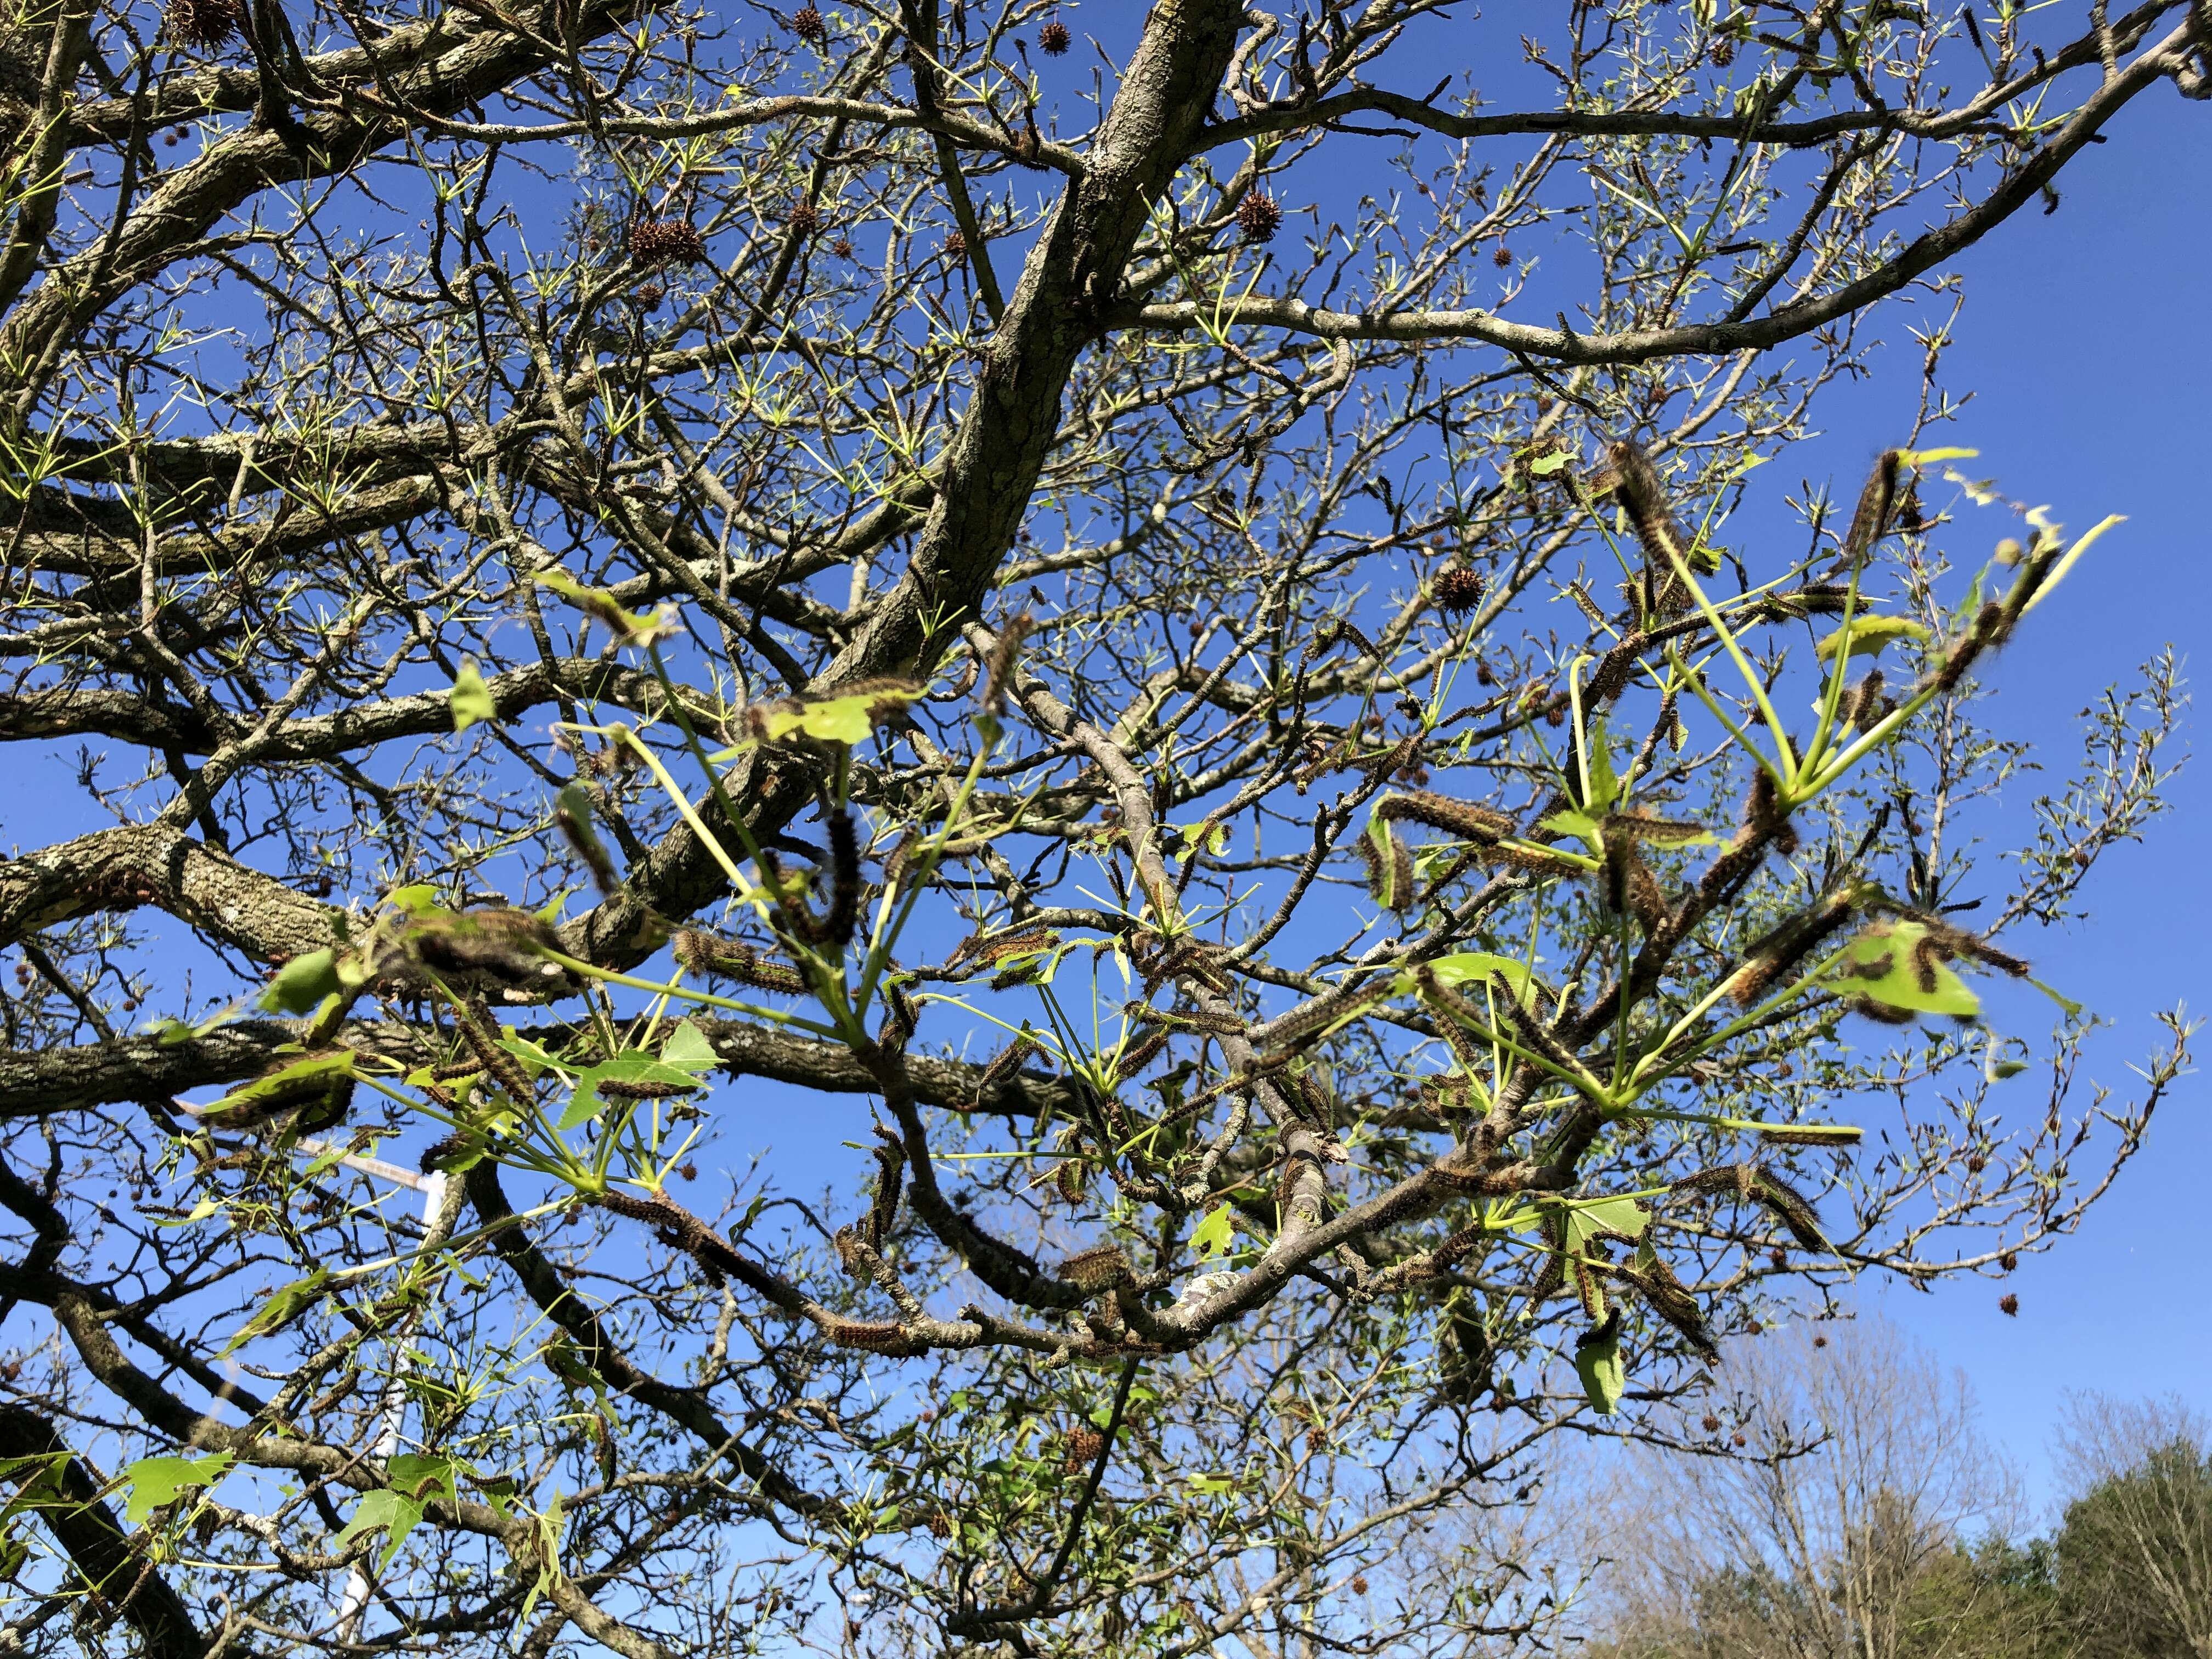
[2083, 342]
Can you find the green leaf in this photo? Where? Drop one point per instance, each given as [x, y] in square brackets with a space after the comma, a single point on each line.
[1597, 1361]
[629, 627]
[1604, 786]
[419, 1479]
[629, 1065]
[471, 699]
[1464, 965]
[1866, 636]
[1213, 1485]
[289, 1083]
[1543, 466]
[688, 1047]
[157, 1481]
[282, 1308]
[421, 900]
[847, 719]
[383, 1510]
[1888, 963]
[1621, 1216]
[1214, 1236]
[1571, 823]
[302, 984]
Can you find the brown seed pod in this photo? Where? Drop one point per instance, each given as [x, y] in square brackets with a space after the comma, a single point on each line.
[656, 242]
[2008, 1304]
[1503, 256]
[956, 244]
[842, 248]
[806, 23]
[1458, 590]
[1258, 217]
[804, 216]
[1053, 38]
[1081, 1448]
[202, 24]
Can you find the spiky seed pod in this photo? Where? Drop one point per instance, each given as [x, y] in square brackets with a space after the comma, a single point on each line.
[804, 217]
[202, 25]
[842, 248]
[1258, 218]
[2008, 1304]
[712, 957]
[1458, 590]
[1503, 256]
[1870, 520]
[2008, 1261]
[940, 1524]
[657, 242]
[1456, 818]
[1053, 38]
[1101, 1268]
[955, 246]
[1081, 1449]
[806, 23]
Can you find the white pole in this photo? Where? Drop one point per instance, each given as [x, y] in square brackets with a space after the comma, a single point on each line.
[432, 1186]
[355, 1602]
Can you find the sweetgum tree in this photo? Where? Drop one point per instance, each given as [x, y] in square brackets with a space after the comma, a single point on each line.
[1072, 629]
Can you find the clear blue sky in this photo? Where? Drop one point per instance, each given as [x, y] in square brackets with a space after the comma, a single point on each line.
[2084, 339]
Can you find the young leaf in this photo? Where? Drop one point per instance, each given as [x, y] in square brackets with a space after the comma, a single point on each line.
[471, 699]
[1891, 964]
[1464, 965]
[1866, 636]
[1597, 1360]
[688, 1047]
[280, 1309]
[1622, 1217]
[383, 1510]
[157, 1481]
[302, 984]
[1212, 1235]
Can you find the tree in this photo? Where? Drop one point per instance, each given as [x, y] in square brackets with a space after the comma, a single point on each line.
[2134, 1554]
[1015, 569]
[1829, 1508]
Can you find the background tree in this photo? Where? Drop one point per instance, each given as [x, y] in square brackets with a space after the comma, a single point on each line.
[1837, 1498]
[2134, 1554]
[523, 512]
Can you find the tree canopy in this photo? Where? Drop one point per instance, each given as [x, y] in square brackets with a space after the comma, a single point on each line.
[1171, 642]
